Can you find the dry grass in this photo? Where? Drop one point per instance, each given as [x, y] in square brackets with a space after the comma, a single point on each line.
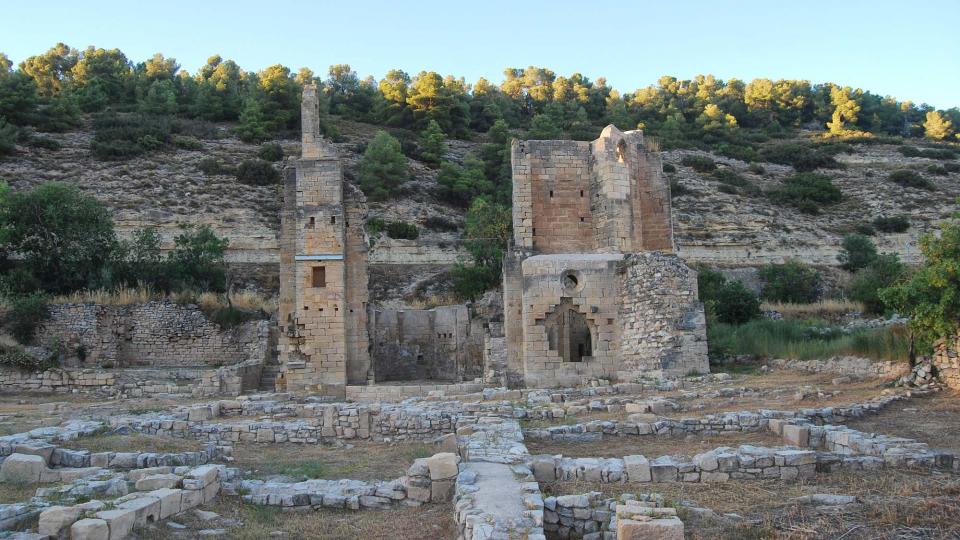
[826, 309]
[933, 419]
[896, 504]
[428, 522]
[243, 300]
[430, 302]
[365, 461]
[133, 443]
[651, 446]
[123, 296]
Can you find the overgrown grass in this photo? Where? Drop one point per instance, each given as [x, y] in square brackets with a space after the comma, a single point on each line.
[824, 309]
[805, 340]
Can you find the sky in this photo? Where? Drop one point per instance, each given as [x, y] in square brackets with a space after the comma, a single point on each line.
[910, 50]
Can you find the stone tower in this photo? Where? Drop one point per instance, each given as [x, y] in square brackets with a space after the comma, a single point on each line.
[323, 269]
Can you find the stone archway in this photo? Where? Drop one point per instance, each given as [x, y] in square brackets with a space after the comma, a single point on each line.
[569, 332]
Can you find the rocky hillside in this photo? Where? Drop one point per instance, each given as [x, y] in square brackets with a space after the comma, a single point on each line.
[712, 226]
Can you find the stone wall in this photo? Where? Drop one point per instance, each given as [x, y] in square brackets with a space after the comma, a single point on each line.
[418, 344]
[662, 320]
[154, 334]
[846, 365]
[946, 359]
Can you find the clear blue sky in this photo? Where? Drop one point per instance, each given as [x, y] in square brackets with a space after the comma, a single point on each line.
[910, 50]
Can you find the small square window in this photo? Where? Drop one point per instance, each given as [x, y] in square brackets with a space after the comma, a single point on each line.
[319, 276]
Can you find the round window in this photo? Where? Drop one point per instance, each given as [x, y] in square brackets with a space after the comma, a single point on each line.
[571, 280]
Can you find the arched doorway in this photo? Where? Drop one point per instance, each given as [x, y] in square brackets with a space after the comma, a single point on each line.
[569, 332]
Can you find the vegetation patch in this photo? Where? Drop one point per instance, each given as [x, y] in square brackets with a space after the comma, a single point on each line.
[802, 157]
[808, 192]
[701, 164]
[909, 178]
[257, 172]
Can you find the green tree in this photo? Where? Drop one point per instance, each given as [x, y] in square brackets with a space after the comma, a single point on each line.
[487, 231]
[856, 252]
[52, 71]
[937, 126]
[18, 97]
[108, 71]
[544, 128]
[252, 127]
[383, 168]
[8, 137]
[736, 304]
[461, 184]
[197, 260]
[792, 282]
[931, 297]
[63, 237]
[432, 143]
[884, 271]
[845, 110]
[161, 98]
[281, 97]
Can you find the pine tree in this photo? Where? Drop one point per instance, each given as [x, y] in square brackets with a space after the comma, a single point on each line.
[252, 126]
[383, 167]
[937, 126]
[432, 143]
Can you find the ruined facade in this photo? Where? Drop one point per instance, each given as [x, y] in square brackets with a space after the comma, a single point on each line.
[591, 287]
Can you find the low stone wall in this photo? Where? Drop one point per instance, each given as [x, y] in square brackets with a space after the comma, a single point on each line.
[153, 334]
[946, 359]
[845, 365]
[397, 392]
[591, 517]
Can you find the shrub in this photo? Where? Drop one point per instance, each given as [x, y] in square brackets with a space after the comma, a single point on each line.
[791, 282]
[187, 143]
[27, 314]
[375, 226]
[402, 230]
[45, 142]
[908, 178]
[669, 168]
[807, 192]
[432, 143]
[700, 164]
[124, 136]
[16, 357]
[229, 317]
[736, 304]
[471, 281]
[735, 151]
[800, 156]
[211, 166]
[270, 152]
[677, 189]
[884, 271]
[938, 170]
[756, 168]
[865, 229]
[256, 172]
[440, 223]
[892, 224]
[951, 167]
[727, 188]
[856, 252]
[929, 153]
[8, 137]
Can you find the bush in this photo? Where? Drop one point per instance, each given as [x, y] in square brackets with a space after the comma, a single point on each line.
[471, 281]
[736, 304]
[229, 317]
[402, 230]
[951, 167]
[701, 164]
[727, 188]
[929, 153]
[884, 271]
[856, 252]
[800, 156]
[669, 168]
[791, 282]
[440, 223]
[908, 178]
[256, 172]
[807, 192]
[44, 142]
[8, 137]
[211, 166]
[126, 136]
[938, 170]
[375, 226]
[892, 224]
[187, 143]
[677, 189]
[735, 151]
[16, 357]
[756, 168]
[27, 314]
[865, 229]
[270, 152]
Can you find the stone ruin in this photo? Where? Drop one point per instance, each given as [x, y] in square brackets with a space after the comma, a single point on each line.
[591, 287]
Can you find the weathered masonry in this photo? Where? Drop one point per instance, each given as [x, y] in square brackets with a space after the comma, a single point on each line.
[323, 270]
[591, 287]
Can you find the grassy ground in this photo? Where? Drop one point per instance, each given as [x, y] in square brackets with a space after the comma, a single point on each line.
[14, 493]
[896, 505]
[428, 522]
[933, 419]
[365, 461]
[651, 446]
[134, 443]
[806, 340]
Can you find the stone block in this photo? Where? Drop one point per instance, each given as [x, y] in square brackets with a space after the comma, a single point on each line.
[191, 499]
[442, 466]
[147, 509]
[544, 468]
[706, 461]
[100, 459]
[90, 529]
[22, 468]
[137, 474]
[663, 469]
[120, 521]
[36, 448]
[170, 501]
[157, 481]
[204, 474]
[442, 490]
[794, 435]
[55, 519]
[638, 468]
[669, 528]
